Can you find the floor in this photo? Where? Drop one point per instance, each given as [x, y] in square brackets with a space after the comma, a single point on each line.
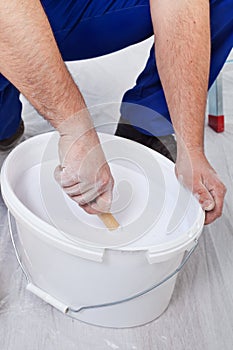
[200, 315]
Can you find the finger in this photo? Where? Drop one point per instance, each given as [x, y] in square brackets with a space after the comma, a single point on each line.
[88, 209]
[212, 215]
[94, 198]
[77, 189]
[218, 195]
[100, 194]
[66, 177]
[211, 200]
[57, 174]
[102, 204]
[69, 177]
[204, 197]
[87, 197]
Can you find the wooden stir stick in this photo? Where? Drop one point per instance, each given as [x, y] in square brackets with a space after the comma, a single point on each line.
[109, 221]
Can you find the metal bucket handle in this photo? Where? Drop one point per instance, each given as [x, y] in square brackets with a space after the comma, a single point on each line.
[87, 307]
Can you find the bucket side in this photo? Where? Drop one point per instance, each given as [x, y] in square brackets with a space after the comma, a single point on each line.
[78, 282]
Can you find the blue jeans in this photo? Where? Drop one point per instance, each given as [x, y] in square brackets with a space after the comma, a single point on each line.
[86, 29]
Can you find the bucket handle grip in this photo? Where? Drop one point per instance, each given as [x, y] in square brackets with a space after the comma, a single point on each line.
[113, 303]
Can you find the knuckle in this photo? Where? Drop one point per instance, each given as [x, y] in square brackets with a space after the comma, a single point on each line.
[64, 179]
[200, 192]
[57, 174]
[57, 177]
[104, 182]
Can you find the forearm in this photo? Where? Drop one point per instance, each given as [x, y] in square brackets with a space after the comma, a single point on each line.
[30, 59]
[182, 34]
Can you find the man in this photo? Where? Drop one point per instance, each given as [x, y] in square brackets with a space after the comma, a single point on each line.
[32, 60]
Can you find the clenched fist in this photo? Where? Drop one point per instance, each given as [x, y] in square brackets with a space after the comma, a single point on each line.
[83, 172]
[194, 171]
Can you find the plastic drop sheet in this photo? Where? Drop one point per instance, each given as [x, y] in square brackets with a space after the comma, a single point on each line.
[200, 314]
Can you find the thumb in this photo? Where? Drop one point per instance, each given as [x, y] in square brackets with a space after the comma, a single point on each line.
[204, 197]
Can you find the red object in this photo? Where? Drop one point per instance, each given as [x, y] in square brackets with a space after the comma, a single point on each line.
[216, 122]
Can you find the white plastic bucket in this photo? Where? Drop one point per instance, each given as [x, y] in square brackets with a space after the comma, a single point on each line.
[111, 286]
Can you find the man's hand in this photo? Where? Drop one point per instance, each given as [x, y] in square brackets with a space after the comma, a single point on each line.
[182, 48]
[83, 172]
[194, 171]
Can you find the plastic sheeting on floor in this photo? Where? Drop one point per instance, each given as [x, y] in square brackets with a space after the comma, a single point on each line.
[200, 315]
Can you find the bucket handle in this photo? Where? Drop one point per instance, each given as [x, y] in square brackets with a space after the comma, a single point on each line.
[137, 295]
[14, 245]
[113, 303]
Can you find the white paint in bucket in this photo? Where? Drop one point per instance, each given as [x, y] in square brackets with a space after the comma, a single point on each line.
[70, 273]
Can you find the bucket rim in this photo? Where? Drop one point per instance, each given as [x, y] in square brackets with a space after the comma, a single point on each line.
[49, 232]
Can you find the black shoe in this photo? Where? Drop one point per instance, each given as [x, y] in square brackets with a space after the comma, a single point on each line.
[12, 141]
[166, 145]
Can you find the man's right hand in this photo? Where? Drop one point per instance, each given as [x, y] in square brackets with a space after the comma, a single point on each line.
[194, 171]
[83, 172]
